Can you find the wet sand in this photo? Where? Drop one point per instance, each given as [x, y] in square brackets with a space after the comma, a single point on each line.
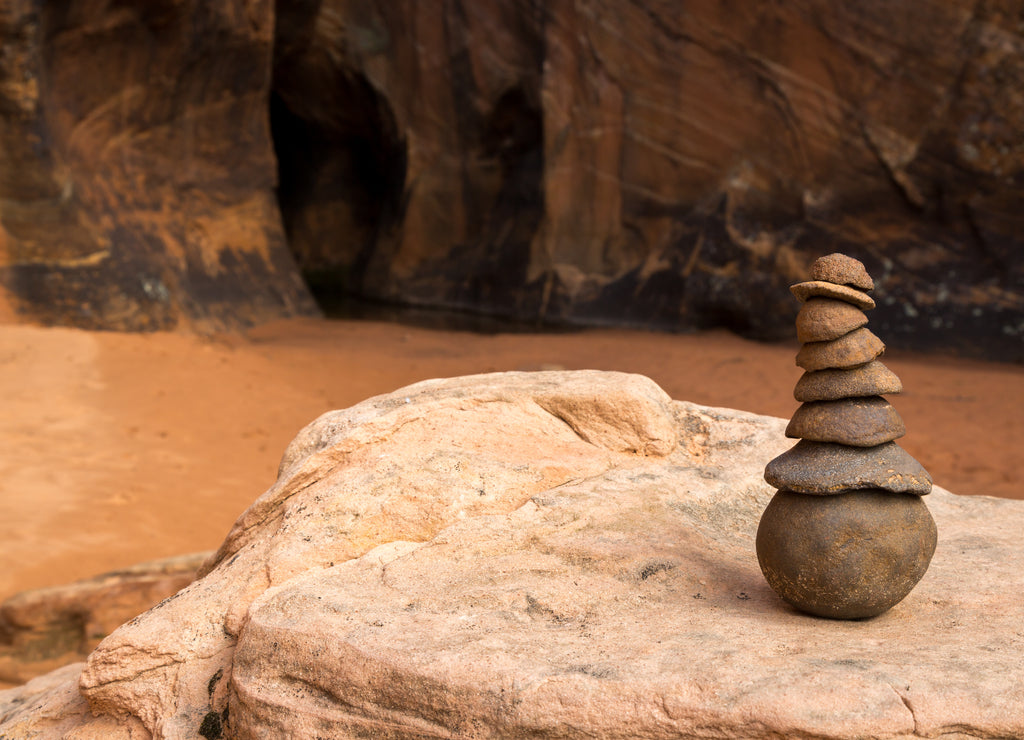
[119, 448]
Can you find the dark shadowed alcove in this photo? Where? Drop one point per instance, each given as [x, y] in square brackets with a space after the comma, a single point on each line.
[341, 161]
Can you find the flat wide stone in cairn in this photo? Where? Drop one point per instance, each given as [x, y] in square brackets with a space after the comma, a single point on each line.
[843, 270]
[826, 468]
[823, 319]
[872, 379]
[856, 348]
[804, 291]
[860, 422]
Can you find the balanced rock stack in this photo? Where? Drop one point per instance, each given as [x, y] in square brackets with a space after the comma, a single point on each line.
[847, 535]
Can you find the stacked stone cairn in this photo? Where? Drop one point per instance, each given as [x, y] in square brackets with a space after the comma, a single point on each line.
[847, 535]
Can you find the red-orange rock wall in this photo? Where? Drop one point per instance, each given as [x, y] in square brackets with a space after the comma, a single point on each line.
[646, 162]
[136, 166]
[680, 165]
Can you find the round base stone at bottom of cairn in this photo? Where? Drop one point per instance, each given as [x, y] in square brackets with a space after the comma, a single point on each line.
[849, 555]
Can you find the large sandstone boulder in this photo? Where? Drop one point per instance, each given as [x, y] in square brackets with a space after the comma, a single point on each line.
[544, 555]
[641, 162]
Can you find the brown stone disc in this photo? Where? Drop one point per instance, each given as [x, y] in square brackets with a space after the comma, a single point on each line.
[822, 319]
[849, 556]
[872, 379]
[856, 348]
[843, 270]
[860, 422]
[825, 468]
[803, 291]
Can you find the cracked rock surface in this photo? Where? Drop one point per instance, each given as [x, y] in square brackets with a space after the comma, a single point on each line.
[543, 555]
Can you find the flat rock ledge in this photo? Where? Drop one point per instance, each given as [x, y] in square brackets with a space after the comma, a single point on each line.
[545, 555]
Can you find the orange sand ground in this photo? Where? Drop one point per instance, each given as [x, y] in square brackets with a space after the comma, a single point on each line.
[119, 448]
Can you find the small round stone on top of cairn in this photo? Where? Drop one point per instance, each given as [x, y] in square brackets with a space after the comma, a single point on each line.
[846, 535]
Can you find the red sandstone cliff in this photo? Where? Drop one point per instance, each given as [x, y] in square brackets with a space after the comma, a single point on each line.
[641, 162]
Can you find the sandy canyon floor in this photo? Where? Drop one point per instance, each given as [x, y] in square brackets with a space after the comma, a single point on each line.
[119, 448]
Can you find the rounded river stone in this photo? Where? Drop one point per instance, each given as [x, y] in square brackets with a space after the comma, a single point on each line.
[856, 348]
[849, 556]
[822, 319]
[826, 468]
[872, 379]
[861, 422]
[803, 291]
[843, 270]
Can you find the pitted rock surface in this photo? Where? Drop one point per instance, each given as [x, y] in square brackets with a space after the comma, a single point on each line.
[871, 379]
[826, 468]
[822, 319]
[820, 288]
[843, 270]
[860, 422]
[856, 348]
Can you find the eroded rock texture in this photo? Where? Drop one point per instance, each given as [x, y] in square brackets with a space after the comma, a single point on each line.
[136, 165]
[541, 555]
[595, 161]
[671, 165]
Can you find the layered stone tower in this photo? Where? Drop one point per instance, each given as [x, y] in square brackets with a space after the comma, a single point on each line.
[847, 534]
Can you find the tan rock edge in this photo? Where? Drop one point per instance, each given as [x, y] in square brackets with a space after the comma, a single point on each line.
[45, 628]
[541, 555]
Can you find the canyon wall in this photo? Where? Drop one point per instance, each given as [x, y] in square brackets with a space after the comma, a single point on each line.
[592, 161]
[136, 166]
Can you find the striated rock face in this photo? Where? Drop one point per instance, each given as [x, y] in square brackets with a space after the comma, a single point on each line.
[598, 161]
[542, 554]
[662, 164]
[136, 166]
